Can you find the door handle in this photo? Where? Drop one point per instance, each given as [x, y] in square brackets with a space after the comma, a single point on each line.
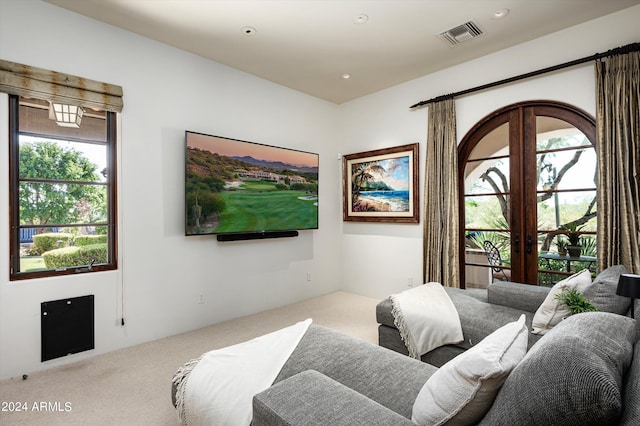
[516, 243]
[529, 243]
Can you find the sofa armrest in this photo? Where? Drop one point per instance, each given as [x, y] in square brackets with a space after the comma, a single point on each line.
[311, 398]
[524, 297]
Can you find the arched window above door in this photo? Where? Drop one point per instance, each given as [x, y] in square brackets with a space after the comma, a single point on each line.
[527, 176]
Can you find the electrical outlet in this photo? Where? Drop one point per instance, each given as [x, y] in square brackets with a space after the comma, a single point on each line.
[410, 281]
[200, 299]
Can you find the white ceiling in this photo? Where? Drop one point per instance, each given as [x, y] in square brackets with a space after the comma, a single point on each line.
[307, 45]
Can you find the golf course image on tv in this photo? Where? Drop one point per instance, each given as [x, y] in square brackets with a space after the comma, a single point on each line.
[236, 187]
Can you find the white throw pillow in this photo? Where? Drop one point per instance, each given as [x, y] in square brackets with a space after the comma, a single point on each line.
[552, 310]
[463, 390]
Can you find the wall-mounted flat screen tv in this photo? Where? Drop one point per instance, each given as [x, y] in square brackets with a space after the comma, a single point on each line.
[239, 187]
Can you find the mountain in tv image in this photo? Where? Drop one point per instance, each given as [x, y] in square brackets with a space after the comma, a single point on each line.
[277, 165]
[239, 194]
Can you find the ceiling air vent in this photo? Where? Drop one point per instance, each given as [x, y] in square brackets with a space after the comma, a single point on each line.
[462, 33]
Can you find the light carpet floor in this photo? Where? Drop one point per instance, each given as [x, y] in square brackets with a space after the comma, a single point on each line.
[132, 386]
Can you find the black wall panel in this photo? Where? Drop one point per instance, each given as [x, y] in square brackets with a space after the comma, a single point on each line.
[67, 326]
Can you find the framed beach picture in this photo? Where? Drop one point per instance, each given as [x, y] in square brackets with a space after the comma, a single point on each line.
[381, 185]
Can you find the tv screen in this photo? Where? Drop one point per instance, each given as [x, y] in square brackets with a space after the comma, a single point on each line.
[239, 187]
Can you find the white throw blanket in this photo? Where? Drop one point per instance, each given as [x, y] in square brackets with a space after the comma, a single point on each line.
[426, 318]
[218, 388]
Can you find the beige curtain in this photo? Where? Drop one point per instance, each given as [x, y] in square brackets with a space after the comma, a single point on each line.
[441, 257]
[38, 83]
[618, 144]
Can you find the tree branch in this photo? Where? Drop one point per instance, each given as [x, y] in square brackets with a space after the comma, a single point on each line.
[504, 205]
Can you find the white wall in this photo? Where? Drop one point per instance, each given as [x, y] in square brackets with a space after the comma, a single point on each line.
[378, 259]
[166, 91]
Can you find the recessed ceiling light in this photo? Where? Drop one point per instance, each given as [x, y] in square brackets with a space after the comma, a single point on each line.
[360, 19]
[250, 31]
[346, 76]
[500, 13]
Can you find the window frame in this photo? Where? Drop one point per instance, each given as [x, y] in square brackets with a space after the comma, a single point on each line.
[521, 118]
[14, 213]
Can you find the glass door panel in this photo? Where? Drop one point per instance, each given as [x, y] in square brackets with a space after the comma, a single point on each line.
[566, 197]
[487, 210]
[488, 176]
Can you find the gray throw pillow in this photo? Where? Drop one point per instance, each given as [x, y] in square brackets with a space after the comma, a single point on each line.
[602, 292]
[572, 376]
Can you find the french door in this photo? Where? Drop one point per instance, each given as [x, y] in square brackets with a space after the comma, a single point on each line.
[527, 178]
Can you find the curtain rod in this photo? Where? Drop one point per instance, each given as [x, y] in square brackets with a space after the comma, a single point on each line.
[633, 47]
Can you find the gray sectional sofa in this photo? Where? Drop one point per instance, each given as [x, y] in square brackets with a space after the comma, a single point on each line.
[584, 371]
[482, 312]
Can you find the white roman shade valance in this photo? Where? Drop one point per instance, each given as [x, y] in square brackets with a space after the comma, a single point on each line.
[38, 83]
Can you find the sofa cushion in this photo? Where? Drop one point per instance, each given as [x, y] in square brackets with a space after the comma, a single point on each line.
[390, 379]
[463, 389]
[572, 376]
[477, 293]
[525, 297]
[602, 293]
[552, 310]
[311, 398]
[479, 319]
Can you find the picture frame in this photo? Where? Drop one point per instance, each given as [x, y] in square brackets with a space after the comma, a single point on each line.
[381, 185]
